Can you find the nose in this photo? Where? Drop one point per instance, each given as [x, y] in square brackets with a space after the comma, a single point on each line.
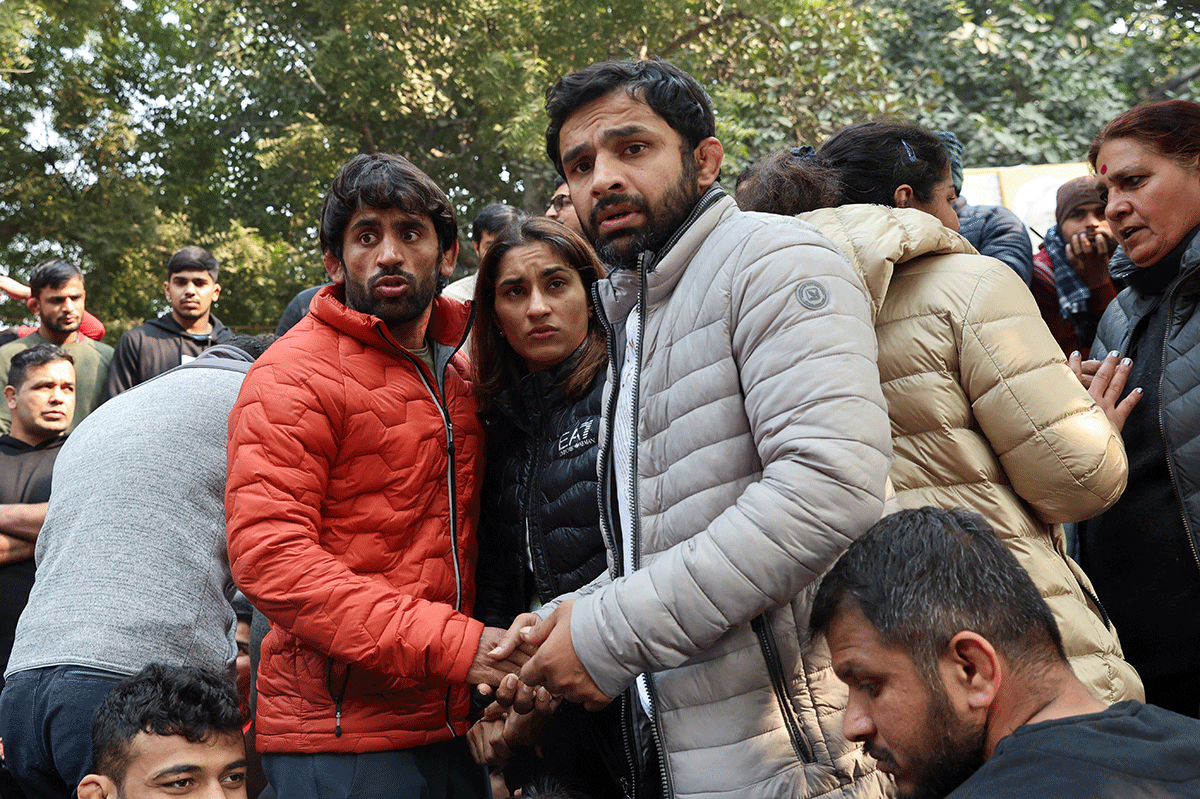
[58, 396]
[1117, 206]
[552, 212]
[537, 304]
[390, 251]
[857, 725]
[607, 175]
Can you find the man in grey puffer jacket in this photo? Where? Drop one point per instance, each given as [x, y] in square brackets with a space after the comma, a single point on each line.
[744, 445]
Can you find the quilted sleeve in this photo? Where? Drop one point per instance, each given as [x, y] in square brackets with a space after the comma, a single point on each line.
[804, 350]
[1059, 450]
[282, 446]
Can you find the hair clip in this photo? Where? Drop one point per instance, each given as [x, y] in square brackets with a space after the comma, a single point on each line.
[912, 157]
[803, 152]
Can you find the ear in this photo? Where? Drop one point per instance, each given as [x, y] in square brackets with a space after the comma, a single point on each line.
[449, 259]
[902, 197]
[334, 267]
[216, 291]
[971, 670]
[709, 153]
[10, 394]
[167, 289]
[94, 786]
[475, 247]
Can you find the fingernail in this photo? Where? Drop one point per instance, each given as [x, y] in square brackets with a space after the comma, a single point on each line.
[1126, 362]
[495, 651]
[1076, 354]
[1115, 354]
[510, 681]
[1138, 390]
[526, 630]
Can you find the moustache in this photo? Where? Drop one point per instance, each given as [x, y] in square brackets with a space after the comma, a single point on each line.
[637, 201]
[880, 754]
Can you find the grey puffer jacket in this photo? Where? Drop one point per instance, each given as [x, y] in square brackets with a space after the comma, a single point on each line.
[1179, 398]
[762, 450]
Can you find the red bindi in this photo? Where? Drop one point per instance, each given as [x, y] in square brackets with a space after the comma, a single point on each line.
[1103, 169]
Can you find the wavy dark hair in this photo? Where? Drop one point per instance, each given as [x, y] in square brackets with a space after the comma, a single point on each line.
[497, 365]
[161, 700]
[670, 92]
[872, 159]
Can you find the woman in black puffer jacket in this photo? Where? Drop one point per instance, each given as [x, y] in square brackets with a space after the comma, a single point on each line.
[539, 356]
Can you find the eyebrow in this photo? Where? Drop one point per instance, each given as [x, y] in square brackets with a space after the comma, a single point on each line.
[186, 768]
[605, 137]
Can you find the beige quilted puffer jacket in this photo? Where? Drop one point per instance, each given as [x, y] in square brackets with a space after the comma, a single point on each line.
[986, 414]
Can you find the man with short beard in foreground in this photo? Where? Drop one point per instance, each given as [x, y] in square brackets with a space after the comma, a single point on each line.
[744, 444]
[355, 467]
[958, 682]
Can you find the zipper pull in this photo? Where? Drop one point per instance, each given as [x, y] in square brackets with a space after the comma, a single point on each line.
[337, 728]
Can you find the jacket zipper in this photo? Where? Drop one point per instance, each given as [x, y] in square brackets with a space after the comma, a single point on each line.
[766, 640]
[1162, 430]
[451, 473]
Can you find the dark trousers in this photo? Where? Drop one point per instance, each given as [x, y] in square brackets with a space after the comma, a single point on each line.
[436, 771]
[46, 723]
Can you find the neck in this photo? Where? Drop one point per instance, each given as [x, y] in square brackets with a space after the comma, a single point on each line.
[58, 338]
[197, 327]
[1052, 693]
[411, 334]
[31, 437]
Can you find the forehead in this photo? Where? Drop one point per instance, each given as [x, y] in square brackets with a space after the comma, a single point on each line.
[1083, 208]
[55, 371]
[857, 649]
[153, 755]
[70, 288]
[1117, 156]
[608, 116]
[529, 260]
[191, 276]
[366, 215]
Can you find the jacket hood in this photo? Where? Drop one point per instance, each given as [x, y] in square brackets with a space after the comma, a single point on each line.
[167, 322]
[876, 239]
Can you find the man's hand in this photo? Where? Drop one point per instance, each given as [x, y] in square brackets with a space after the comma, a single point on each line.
[486, 737]
[493, 660]
[1105, 380]
[1088, 254]
[556, 666]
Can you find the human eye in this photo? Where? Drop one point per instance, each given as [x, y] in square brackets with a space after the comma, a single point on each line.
[235, 778]
[367, 238]
[412, 234]
[580, 167]
[514, 291]
[635, 148]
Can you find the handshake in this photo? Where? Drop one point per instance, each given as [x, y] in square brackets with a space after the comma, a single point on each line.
[528, 670]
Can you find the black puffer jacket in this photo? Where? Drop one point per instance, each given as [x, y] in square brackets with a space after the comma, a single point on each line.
[541, 476]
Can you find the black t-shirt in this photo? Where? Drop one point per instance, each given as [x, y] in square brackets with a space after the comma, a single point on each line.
[24, 480]
[1128, 750]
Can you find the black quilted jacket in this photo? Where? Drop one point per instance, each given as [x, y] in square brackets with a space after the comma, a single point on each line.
[541, 477]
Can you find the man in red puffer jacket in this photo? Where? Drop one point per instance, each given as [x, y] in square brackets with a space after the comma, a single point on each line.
[355, 461]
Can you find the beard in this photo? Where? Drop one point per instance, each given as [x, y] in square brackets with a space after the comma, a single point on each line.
[63, 329]
[621, 249]
[956, 752]
[406, 308]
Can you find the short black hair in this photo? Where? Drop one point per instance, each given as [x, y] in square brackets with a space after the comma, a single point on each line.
[670, 92]
[923, 576]
[192, 257]
[33, 357]
[161, 700]
[383, 180]
[254, 346]
[52, 273]
[873, 159]
[494, 218]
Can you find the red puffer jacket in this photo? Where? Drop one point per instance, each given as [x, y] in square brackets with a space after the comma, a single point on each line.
[351, 515]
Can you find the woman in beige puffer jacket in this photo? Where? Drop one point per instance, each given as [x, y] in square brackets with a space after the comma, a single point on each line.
[985, 412]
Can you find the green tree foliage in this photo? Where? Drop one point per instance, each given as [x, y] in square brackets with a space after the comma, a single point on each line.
[129, 128]
[1026, 82]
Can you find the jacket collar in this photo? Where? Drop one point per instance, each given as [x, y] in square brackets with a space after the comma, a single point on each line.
[663, 269]
[448, 323]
